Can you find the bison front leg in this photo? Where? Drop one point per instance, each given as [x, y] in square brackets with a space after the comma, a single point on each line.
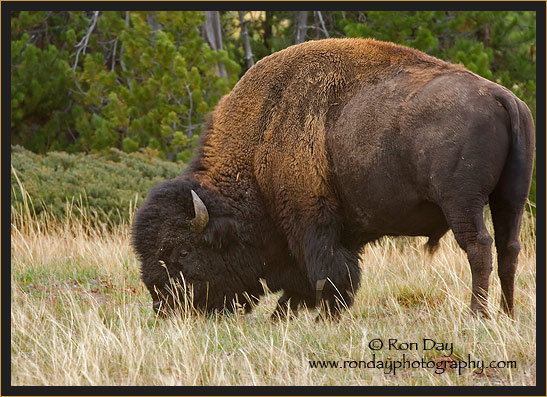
[333, 270]
[288, 305]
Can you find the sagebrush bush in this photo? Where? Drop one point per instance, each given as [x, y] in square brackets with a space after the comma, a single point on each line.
[102, 185]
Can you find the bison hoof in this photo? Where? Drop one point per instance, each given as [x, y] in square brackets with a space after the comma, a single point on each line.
[480, 312]
[330, 315]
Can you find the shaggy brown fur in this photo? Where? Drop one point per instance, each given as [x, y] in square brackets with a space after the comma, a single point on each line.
[327, 145]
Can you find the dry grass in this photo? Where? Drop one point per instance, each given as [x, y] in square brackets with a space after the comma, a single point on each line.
[80, 316]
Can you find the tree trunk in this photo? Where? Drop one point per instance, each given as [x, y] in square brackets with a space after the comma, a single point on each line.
[153, 22]
[322, 23]
[301, 27]
[245, 37]
[214, 36]
[267, 26]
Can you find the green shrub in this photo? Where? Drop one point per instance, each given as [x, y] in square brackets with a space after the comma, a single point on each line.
[105, 186]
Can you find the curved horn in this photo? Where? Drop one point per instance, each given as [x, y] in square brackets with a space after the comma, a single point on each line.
[202, 216]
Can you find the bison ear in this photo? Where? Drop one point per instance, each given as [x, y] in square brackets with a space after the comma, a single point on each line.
[221, 232]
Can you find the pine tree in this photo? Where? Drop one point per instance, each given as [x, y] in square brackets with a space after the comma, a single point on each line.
[114, 79]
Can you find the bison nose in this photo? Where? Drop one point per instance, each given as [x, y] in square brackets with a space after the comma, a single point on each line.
[156, 306]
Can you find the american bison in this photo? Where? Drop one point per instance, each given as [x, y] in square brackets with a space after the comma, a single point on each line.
[324, 147]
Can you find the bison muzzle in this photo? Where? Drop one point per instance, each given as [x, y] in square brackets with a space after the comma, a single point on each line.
[324, 147]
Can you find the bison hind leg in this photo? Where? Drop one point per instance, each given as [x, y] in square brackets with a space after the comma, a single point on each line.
[431, 246]
[473, 237]
[507, 217]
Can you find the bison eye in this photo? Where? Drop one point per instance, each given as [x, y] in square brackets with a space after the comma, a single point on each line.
[183, 253]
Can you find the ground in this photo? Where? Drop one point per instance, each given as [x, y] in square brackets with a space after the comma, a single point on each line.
[81, 316]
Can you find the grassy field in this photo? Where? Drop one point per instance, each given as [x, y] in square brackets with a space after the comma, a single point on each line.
[81, 316]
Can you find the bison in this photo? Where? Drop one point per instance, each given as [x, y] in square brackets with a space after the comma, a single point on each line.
[326, 146]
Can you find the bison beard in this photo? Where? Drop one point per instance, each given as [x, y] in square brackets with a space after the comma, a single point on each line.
[323, 147]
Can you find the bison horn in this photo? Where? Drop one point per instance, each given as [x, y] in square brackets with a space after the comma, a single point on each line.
[202, 216]
[319, 285]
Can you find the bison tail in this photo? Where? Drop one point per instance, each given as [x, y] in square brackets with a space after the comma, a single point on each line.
[517, 172]
[509, 197]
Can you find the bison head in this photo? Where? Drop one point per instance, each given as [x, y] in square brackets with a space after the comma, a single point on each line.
[191, 251]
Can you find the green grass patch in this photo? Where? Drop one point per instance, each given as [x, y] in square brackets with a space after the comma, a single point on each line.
[102, 187]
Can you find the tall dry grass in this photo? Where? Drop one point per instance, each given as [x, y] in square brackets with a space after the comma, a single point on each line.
[80, 316]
